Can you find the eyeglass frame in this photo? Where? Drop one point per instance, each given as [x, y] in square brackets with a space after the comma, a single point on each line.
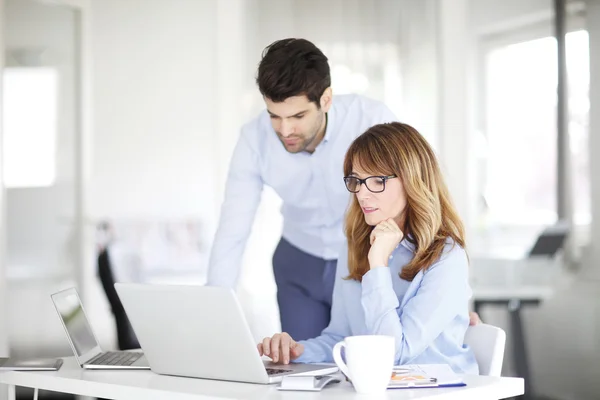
[384, 178]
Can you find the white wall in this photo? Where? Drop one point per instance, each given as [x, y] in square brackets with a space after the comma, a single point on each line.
[454, 130]
[154, 107]
[490, 16]
[418, 44]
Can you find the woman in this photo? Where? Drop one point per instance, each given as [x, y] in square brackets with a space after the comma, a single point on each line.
[404, 272]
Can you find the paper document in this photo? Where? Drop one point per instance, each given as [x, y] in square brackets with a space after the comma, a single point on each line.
[424, 375]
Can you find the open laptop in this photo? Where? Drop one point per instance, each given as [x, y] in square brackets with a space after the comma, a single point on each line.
[83, 340]
[200, 332]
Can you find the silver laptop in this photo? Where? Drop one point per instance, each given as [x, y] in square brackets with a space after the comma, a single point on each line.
[200, 332]
[83, 340]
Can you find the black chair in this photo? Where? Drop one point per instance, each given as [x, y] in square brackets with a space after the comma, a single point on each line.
[550, 241]
[125, 335]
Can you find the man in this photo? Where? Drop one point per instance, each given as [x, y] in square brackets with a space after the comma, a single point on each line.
[296, 146]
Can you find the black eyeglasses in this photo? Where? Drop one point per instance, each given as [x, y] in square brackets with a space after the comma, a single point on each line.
[375, 184]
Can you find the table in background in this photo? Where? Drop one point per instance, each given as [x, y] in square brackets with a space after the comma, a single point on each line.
[514, 299]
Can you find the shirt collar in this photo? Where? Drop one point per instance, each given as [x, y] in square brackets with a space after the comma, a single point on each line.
[408, 243]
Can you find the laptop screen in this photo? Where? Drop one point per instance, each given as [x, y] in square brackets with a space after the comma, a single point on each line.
[78, 328]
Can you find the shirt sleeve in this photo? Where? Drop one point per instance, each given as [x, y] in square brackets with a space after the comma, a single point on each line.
[442, 295]
[320, 349]
[242, 197]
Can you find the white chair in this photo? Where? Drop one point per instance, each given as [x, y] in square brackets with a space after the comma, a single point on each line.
[487, 343]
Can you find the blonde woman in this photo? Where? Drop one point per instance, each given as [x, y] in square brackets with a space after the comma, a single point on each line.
[404, 272]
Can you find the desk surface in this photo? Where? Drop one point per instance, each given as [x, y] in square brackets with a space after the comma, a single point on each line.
[148, 385]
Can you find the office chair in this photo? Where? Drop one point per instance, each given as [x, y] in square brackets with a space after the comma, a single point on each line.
[125, 335]
[550, 241]
[487, 342]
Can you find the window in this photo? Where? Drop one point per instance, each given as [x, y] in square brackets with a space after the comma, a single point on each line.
[520, 100]
[369, 69]
[30, 122]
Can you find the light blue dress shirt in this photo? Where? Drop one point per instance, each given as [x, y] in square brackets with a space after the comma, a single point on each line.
[428, 316]
[310, 185]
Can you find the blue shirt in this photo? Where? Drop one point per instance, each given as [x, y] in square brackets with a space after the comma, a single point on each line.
[428, 316]
[310, 185]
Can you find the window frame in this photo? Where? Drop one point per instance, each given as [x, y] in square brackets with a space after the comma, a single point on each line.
[487, 42]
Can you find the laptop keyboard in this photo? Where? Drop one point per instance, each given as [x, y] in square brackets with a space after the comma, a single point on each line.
[116, 358]
[275, 371]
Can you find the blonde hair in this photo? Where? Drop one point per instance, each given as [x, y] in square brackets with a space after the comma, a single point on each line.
[430, 218]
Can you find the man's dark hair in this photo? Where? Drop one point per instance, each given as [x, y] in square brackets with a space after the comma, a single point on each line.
[293, 67]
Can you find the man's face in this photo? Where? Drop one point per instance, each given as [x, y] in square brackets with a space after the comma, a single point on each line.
[297, 122]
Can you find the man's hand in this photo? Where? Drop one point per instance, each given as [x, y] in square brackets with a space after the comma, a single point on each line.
[474, 318]
[281, 348]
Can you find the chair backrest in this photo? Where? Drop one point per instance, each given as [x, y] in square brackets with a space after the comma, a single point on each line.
[126, 338]
[487, 343]
[550, 241]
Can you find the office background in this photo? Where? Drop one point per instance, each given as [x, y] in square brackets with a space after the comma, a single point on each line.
[119, 118]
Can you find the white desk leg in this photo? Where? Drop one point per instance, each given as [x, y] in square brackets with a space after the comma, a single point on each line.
[35, 393]
[12, 393]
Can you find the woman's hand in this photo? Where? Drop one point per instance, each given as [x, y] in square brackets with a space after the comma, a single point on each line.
[384, 239]
[281, 348]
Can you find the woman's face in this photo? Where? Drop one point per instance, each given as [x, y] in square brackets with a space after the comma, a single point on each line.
[378, 207]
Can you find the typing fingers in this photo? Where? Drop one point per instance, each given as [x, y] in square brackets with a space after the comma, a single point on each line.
[275, 340]
[266, 346]
[295, 349]
[285, 348]
[281, 348]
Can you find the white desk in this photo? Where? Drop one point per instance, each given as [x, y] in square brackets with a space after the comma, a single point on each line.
[132, 385]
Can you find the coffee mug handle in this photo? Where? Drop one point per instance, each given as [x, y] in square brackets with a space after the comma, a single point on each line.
[337, 357]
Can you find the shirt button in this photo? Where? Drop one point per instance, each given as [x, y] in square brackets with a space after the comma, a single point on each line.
[391, 257]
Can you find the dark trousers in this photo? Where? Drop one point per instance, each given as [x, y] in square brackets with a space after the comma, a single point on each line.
[304, 290]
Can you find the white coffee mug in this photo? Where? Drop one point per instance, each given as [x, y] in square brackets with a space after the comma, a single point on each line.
[369, 361]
